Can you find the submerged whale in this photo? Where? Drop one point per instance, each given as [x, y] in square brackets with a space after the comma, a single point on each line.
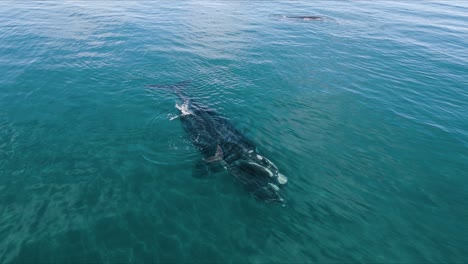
[222, 145]
[300, 17]
[305, 17]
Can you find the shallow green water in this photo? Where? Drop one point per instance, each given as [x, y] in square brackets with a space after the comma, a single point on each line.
[365, 112]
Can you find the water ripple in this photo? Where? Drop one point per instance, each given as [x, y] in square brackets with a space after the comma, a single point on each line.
[364, 111]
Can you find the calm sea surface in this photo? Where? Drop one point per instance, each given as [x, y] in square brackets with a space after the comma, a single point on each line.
[365, 111]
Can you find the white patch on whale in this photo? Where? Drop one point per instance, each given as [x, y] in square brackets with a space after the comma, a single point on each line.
[276, 188]
[262, 168]
[282, 179]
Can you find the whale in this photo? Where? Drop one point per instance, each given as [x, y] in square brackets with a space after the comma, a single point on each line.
[224, 147]
[299, 17]
[305, 17]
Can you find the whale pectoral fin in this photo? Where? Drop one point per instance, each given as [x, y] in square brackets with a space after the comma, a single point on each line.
[203, 169]
[219, 155]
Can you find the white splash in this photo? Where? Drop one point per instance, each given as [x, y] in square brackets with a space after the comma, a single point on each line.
[184, 108]
[172, 117]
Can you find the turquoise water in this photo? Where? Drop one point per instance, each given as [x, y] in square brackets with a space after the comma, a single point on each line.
[364, 111]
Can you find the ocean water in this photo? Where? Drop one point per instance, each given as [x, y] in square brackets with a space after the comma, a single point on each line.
[365, 111]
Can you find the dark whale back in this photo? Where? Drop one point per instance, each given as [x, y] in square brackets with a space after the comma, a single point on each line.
[220, 143]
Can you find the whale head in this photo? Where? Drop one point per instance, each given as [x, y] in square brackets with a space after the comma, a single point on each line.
[260, 176]
[262, 166]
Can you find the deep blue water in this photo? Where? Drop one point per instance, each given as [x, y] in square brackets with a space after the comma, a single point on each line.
[365, 111]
